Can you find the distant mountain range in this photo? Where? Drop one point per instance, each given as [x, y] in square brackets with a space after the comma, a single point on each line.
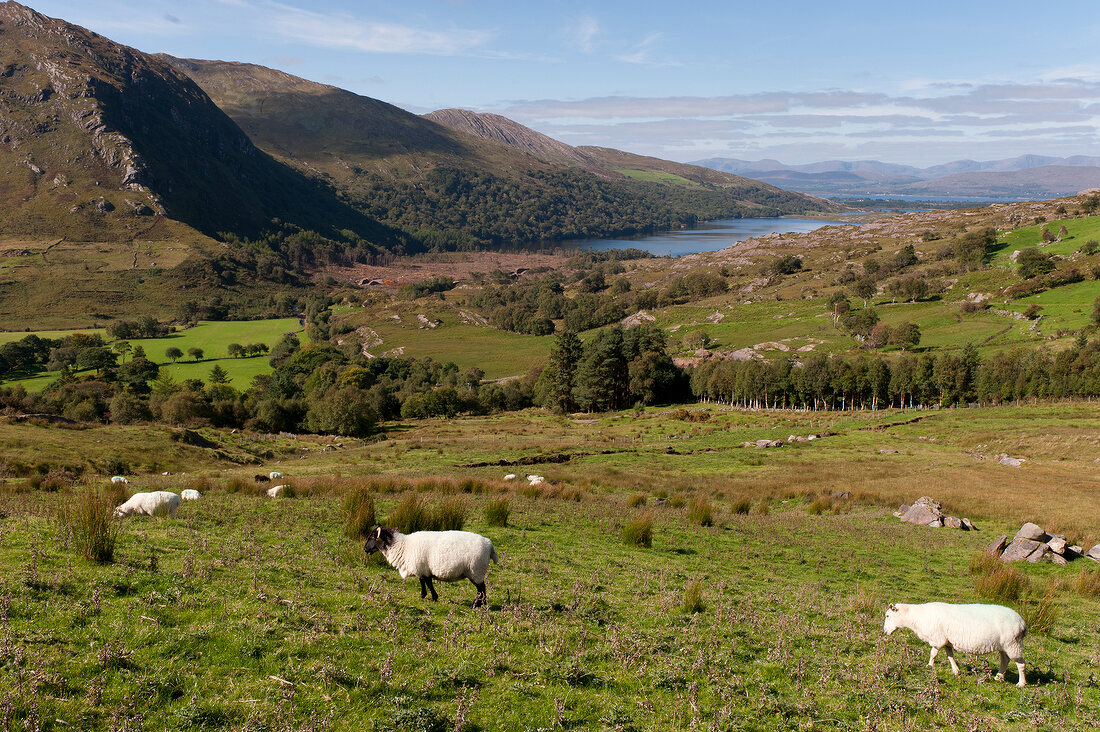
[1023, 177]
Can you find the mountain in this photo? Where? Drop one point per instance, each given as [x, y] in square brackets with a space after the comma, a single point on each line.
[459, 179]
[101, 141]
[1049, 177]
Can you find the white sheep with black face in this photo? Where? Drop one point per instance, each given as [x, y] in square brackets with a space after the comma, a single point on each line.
[972, 628]
[449, 556]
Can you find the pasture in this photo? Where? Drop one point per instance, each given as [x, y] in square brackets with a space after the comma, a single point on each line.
[250, 613]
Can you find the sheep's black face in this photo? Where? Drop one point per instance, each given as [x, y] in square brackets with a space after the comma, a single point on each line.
[380, 539]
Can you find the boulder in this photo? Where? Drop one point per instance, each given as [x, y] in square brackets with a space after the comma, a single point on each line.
[886, 451]
[1057, 559]
[997, 547]
[1040, 551]
[936, 523]
[1010, 462]
[1094, 553]
[1031, 531]
[952, 523]
[1019, 549]
[920, 514]
[968, 525]
[901, 510]
[1057, 544]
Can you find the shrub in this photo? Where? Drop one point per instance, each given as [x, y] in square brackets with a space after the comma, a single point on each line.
[1088, 583]
[636, 499]
[497, 512]
[450, 515]
[740, 506]
[700, 512]
[997, 580]
[55, 480]
[693, 599]
[639, 532]
[1041, 613]
[358, 510]
[91, 523]
[410, 514]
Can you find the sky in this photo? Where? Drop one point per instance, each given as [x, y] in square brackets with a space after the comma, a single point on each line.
[918, 83]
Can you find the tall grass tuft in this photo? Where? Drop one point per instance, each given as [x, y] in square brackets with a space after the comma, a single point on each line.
[639, 532]
[700, 512]
[693, 599]
[1040, 613]
[410, 514]
[740, 506]
[1088, 583]
[497, 512]
[997, 580]
[90, 519]
[359, 516]
[636, 499]
[450, 514]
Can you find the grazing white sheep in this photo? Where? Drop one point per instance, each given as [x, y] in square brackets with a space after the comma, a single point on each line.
[276, 490]
[968, 628]
[274, 475]
[449, 556]
[189, 494]
[119, 480]
[535, 480]
[510, 476]
[150, 504]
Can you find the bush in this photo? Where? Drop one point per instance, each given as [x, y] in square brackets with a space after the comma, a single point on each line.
[997, 580]
[497, 512]
[410, 514]
[639, 532]
[91, 523]
[740, 506]
[359, 517]
[636, 499]
[700, 512]
[450, 515]
[693, 599]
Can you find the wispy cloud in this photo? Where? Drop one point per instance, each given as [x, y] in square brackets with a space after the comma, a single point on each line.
[582, 34]
[339, 30]
[643, 53]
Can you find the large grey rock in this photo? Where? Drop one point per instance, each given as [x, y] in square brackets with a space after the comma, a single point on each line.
[1057, 559]
[997, 548]
[1057, 544]
[920, 514]
[901, 511]
[952, 523]
[1094, 553]
[1010, 462]
[1040, 551]
[936, 523]
[1019, 549]
[968, 525]
[1031, 531]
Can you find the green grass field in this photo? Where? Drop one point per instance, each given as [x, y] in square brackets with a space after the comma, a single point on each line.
[212, 336]
[656, 176]
[250, 613]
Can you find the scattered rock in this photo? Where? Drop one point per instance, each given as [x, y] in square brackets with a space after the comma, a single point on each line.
[1057, 544]
[997, 548]
[1010, 462]
[885, 451]
[952, 523]
[923, 512]
[762, 444]
[1031, 531]
[1057, 559]
[426, 322]
[968, 525]
[1019, 549]
[1094, 553]
[1040, 552]
[638, 318]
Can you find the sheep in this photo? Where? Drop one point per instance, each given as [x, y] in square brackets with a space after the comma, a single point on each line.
[189, 494]
[510, 476]
[535, 480]
[276, 490]
[436, 555]
[119, 480]
[149, 504]
[274, 475]
[260, 478]
[973, 628]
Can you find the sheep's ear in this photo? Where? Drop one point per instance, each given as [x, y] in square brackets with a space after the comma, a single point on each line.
[891, 608]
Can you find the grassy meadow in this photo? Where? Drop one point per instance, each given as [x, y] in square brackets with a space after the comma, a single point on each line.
[250, 613]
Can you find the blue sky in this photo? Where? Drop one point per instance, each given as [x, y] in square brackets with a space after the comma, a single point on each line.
[921, 84]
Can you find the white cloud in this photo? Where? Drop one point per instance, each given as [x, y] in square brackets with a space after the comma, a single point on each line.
[583, 33]
[642, 53]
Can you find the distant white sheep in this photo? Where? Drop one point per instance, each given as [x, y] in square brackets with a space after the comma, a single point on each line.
[276, 491]
[189, 494]
[535, 480]
[150, 504]
[274, 475]
[119, 480]
[510, 476]
[968, 628]
[449, 556]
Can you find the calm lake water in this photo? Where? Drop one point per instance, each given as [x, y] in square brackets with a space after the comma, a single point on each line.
[706, 237]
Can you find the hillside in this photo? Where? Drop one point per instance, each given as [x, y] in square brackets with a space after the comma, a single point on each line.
[98, 140]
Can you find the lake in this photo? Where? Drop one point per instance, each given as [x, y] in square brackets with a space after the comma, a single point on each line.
[708, 236]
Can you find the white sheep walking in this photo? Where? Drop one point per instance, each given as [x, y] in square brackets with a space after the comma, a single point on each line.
[150, 504]
[189, 494]
[449, 556]
[973, 628]
[119, 480]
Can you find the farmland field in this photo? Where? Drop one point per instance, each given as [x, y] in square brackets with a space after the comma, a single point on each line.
[251, 613]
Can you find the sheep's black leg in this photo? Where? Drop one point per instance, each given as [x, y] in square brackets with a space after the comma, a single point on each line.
[431, 588]
[423, 588]
[479, 600]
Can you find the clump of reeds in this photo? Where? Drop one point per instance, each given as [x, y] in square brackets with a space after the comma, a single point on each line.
[693, 599]
[639, 531]
[359, 515]
[90, 521]
[497, 512]
[700, 512]
[997, 580]
[636, 499]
